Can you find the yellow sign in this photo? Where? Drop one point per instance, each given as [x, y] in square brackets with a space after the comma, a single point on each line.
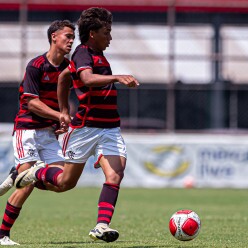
[170, 155]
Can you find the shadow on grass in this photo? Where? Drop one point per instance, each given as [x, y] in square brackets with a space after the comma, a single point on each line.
[147, 246]
[153, 246]
[71, 244]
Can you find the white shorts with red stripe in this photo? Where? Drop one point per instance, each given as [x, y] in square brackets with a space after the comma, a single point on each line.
[81, 143]
[36, 144]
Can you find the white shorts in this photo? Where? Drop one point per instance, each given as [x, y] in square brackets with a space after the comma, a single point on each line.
[36, 144]
[81, 143]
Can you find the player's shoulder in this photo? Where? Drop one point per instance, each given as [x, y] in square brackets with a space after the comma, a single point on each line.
[67, 61]
[37, 62]
[82, 49]
[72, 67]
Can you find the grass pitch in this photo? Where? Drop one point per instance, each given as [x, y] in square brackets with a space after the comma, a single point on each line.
[64, 220]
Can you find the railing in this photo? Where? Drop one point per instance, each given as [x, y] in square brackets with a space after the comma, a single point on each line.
[190, 63]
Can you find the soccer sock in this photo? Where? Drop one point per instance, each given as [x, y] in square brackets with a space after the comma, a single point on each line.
[10, 215]
[40, 185]
[107, 201]
[49, 174]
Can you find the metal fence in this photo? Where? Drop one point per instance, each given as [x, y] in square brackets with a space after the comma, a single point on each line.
[192, 67]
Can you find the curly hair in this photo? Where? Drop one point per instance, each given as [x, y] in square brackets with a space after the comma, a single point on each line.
[58, 25]
[92, 19]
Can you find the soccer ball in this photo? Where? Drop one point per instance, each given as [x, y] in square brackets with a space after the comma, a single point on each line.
[185, 225]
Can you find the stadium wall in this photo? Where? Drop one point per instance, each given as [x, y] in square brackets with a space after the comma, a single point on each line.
[166, 160]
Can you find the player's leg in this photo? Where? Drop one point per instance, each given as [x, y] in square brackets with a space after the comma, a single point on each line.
[26, 155]
[54, 178]
[70, 176]
[73, 167]
[111, 156]
[113, 168]
[48, 176]
[20, 148]
[50, 152]
[13, 208]
[63, 180]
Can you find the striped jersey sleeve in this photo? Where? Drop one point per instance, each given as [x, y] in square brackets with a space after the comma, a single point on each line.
[82, 59]
[31, 83]
[40, 81]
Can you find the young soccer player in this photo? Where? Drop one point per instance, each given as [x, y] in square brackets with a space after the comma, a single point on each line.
[95, 129]
[37, 122]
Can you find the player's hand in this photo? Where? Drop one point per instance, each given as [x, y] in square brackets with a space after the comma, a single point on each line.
[61, 131]
[65, 120]
[128, 80]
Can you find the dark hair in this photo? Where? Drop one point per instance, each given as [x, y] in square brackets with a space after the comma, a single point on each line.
[58, 25]
[92, 19]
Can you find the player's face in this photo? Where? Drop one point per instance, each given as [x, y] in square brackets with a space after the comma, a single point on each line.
[102, 38]
[63, 39]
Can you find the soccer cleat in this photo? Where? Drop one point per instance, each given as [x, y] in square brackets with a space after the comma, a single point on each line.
[7, 241]
[28, 177]
[8, 183]
[103, 232]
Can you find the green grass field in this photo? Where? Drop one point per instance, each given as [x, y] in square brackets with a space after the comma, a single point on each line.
[142, 215]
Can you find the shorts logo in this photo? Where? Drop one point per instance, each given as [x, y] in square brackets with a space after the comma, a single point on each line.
[31, 152]
[71, 154]
[43, 178]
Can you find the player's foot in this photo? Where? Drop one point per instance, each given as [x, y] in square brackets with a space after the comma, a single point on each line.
[103, 232]
[28, 177]
[7, 241]
[8, 183]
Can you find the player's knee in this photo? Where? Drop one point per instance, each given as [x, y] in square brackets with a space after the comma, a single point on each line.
[121, 175]
[115, 177]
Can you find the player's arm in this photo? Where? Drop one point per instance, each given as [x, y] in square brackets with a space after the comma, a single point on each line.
[63, 91]
[36, 106]
[31, 87]
[96, 80]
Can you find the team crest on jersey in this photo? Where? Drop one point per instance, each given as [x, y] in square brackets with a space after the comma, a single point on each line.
[71, 154]
[31, 152]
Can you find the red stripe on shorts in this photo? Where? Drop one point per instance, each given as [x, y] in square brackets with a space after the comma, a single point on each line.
[65, 141]
[19, 145]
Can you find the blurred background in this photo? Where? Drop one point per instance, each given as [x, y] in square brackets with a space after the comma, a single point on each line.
[186, 125]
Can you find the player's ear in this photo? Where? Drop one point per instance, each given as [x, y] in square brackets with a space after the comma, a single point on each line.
[53, 37]
[92, 34]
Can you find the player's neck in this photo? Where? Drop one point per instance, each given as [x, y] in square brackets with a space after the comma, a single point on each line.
[92, 46]
[55, 58]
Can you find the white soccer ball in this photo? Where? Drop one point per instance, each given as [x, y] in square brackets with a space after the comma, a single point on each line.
[185, 225]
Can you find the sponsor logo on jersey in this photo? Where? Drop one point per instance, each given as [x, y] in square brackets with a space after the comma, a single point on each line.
[46, 78]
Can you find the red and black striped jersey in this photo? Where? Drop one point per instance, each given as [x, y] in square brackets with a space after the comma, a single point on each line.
[40, 81]
[97, 105]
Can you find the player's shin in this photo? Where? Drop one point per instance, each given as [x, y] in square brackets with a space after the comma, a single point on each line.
[10, 215]
[107, 201]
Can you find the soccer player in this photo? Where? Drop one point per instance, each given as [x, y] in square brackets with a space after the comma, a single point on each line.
[95, 129]
[37, 122]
